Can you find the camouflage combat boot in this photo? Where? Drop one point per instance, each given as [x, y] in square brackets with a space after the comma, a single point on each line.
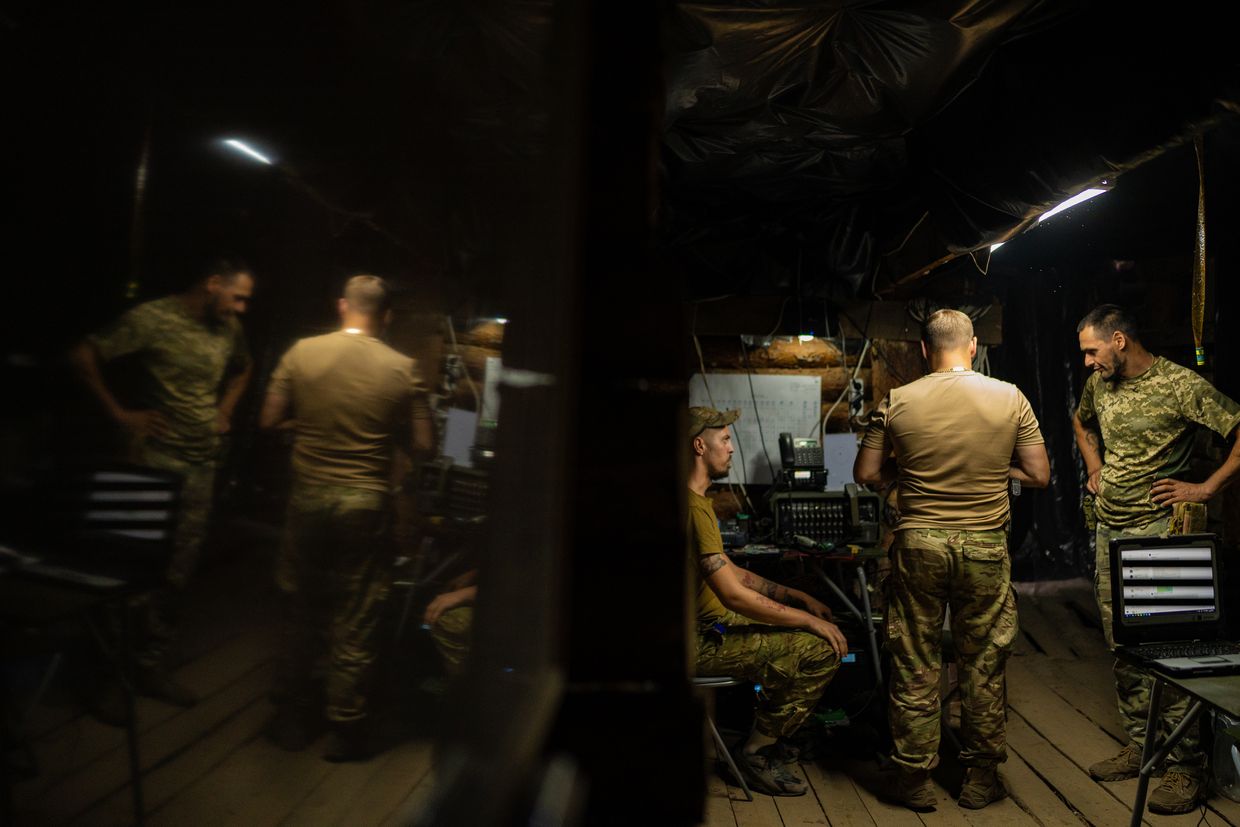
[981, 787]
[912, 789]
[1125, 765]
[767, 771]
[1178, 793]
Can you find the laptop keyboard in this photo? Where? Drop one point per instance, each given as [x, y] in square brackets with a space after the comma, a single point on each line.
[1163, 651]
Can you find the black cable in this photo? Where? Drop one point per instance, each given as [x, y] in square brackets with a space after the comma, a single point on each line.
[756, 417]
[744, 468]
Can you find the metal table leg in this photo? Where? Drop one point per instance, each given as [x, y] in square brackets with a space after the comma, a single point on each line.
[1152, 756]
[864, 615]
[869, 626]
[842, 595]
[131, 717]
[123, 661]
[1147, 753]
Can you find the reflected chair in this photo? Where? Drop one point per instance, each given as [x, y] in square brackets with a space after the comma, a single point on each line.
[83, 544]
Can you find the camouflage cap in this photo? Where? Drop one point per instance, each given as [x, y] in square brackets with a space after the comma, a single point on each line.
[702, 418]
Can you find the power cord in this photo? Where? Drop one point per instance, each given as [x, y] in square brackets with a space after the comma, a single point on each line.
[468, 380]
[757, 417]
[697, 345]
[847, 387]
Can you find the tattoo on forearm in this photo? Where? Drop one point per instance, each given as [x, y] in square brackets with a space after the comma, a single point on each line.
[773, 605]
[763, 586]
[1092, 438]
[711, 563]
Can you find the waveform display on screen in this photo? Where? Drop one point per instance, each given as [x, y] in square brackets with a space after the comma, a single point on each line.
[1167, 582]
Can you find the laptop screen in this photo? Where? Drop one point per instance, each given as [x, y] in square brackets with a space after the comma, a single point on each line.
[1165, 588]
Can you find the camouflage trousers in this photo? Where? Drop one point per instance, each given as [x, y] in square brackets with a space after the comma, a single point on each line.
[452, 634]
[970, 573]
[334, 573]
[1132, 685]
[794, 668]
[162, 612]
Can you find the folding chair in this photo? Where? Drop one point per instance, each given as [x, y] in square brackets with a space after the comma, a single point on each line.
[722, 753]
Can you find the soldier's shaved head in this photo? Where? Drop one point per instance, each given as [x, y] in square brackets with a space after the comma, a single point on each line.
[947, 330]
[368, 295]
[1107, 319]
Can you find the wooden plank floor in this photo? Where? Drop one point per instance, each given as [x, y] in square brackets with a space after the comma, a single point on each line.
[1061, 718]
[210, 765]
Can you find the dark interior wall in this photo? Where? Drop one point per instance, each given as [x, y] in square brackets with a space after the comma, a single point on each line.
[329, 89]
[1133, 247]
[363, 156]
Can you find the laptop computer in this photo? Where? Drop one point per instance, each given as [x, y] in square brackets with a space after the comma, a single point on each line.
[100, 527]
[1167, 606]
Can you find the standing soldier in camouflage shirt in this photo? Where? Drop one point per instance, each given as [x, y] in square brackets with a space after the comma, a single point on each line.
[349, 399]
[1143, 411]
[749, 627]
[194, 352]
[957, 437]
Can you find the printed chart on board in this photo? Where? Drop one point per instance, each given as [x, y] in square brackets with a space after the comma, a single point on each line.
[785, 403]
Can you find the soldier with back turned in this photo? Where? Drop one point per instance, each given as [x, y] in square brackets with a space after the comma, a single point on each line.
[350, 400]
[951, 441]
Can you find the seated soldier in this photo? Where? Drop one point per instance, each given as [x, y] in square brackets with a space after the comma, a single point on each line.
[751, 628]
[450, 619]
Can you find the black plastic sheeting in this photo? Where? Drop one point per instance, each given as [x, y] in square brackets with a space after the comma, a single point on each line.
[1112, 249]
[1040, 356]
[785, 125]
[804, 142]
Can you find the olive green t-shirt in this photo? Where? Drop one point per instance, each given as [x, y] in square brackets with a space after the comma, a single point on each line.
[1147, 425]
[953, 434]
[704, 539]
[186, 360]
[352, 399]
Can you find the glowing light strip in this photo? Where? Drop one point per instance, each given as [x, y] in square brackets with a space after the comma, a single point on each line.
[1080, 197]
[244, 148]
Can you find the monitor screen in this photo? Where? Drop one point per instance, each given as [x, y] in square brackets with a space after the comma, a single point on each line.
[1167, 583]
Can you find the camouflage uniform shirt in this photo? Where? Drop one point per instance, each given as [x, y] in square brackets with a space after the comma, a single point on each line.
[1147, 426]
[186, 360]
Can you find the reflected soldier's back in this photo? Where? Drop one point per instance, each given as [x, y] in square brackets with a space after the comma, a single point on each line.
[350, 400]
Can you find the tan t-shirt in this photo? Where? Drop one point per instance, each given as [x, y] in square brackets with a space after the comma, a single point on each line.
[352, 398]
[704, 539]
[953, 434]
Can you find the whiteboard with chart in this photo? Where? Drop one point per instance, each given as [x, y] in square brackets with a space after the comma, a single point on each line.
[784, 403]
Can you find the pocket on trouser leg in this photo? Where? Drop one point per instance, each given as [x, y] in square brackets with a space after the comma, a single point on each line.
[1007, 624]
[985, 552]
[986, 565]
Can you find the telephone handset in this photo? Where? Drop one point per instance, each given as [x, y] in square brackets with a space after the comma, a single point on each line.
[799, 452]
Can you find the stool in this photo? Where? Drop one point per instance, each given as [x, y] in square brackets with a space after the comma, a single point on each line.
[721, 749]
